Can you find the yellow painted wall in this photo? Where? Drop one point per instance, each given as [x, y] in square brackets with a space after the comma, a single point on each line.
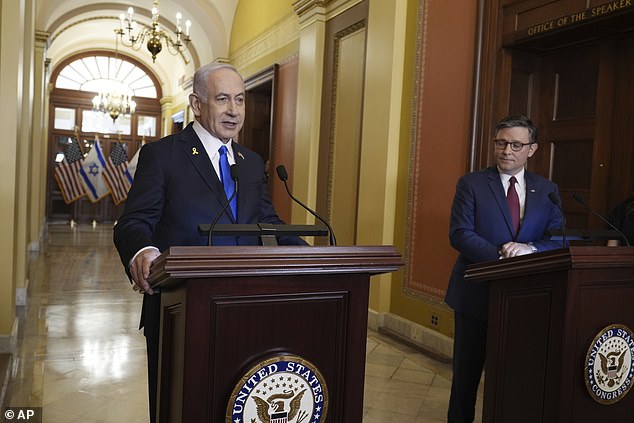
[444, 131]
[253, 17]
[263, 33]
[11, 21]
[389, 89]
[381, 135]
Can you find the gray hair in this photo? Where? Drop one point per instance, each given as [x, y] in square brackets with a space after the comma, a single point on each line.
[201, 75]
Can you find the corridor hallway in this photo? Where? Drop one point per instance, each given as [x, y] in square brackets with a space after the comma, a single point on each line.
[80, 356]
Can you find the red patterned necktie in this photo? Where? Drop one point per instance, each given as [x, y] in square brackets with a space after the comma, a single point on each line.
[514, 204]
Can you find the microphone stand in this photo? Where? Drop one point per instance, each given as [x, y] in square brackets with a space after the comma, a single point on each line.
[554, 198]
[283, 175]
[583, 202]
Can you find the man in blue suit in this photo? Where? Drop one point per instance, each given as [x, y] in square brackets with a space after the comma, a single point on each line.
[177, 185]
[483, 228]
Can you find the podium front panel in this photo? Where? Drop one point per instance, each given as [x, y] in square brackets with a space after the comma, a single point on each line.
[214, 330]
[545, 312]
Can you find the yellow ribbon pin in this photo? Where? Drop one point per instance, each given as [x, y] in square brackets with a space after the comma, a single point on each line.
[194, 151]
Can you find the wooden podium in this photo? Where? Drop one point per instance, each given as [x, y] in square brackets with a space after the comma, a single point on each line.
[226, 311]
[546, 313]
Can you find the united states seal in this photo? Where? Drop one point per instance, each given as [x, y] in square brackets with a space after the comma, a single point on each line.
[609, 367]
[279, 389]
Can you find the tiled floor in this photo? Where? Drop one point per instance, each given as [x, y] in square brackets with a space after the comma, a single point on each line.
[81, 358]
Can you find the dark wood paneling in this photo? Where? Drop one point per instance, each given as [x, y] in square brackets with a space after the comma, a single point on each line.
[243, 305]
[308, 318]
[576, 84]
[283, 153]
[547, 24]
[545, 311]
[622, 146]
[257, 132]
[567, 122]
[269, 127]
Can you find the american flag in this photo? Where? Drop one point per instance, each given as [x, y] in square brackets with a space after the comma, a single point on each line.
[67, 173]
[116, 173]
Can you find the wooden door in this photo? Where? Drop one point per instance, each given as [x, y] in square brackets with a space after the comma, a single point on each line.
[575, 106]
[569, 65]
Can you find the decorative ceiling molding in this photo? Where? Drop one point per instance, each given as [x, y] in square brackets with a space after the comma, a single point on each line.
[303, 7]
[287, 31]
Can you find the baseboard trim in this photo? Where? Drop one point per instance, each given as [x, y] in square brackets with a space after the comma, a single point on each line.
[428, 341]
[5, 376]
[8, 343]
[20, 295]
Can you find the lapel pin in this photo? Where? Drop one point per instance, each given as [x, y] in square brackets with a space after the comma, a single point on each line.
[194, 151]
[240, 155]
[532, 190]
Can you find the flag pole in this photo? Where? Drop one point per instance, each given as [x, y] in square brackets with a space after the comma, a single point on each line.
[76, 132]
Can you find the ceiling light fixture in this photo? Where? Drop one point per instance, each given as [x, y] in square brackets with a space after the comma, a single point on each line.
[154, 35]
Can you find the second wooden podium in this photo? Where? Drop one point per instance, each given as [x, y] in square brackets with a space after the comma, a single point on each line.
[560, 346]
[265, 334]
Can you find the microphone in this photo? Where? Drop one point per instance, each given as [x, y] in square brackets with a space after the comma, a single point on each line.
[235, 174]
[583, 202]
[554, 198]
[281, 173]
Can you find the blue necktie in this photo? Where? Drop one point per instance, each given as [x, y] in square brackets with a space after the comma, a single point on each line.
[225, 177]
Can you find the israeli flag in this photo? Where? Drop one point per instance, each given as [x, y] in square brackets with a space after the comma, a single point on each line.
[92, 167]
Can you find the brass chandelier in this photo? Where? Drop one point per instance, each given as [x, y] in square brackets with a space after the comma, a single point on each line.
[114, 104]
[155, 36]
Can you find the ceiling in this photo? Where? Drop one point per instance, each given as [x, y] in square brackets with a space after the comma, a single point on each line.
[76, 26]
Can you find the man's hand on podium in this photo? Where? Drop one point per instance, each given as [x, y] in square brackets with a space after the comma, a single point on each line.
[512, 249]
[140, 270]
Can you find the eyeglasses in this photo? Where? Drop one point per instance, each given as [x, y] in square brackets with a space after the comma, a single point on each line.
[515, 145]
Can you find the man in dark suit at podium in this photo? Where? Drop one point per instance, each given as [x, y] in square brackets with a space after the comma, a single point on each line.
[503, 211]
[178, 185]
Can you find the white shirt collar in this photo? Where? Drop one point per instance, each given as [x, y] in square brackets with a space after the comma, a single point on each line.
[519, 176]
[212, 143]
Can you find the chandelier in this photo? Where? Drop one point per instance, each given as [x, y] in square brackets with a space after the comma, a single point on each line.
[154, 35]
[114, 104]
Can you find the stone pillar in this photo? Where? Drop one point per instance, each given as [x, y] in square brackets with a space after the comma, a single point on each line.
[11, 27]
[39, 149]
[312, 21]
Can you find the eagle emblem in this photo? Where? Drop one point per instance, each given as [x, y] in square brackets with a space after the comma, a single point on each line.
[611, 367]
[273, 409]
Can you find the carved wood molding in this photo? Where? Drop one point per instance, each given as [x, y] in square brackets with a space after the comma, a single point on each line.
[554, 260]
[196, 262]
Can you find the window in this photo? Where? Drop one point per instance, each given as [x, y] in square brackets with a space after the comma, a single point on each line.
[146, 126]
[64, 118]
[101, 123]
[94, 73]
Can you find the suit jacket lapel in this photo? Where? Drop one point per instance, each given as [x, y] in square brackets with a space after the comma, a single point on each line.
[500, 197]
[239, 158]
[529, 204]
[194, 149]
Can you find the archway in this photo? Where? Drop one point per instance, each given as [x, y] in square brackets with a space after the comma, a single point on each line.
[76, 81]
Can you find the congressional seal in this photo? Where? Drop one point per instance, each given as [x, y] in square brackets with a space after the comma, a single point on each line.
[279, 389]
[609, 366]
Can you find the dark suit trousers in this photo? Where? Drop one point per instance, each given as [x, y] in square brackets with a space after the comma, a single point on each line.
[151, 330]
[468, 362]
